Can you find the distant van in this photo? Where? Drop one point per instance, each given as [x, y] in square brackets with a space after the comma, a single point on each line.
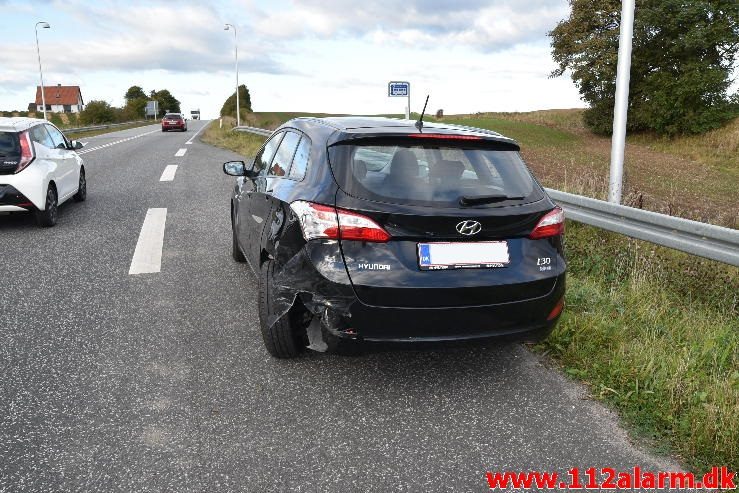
[195, 114]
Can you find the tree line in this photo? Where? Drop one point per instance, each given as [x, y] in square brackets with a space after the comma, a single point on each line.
[98, 111]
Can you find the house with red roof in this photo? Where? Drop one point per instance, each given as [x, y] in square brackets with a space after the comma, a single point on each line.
[60, 99]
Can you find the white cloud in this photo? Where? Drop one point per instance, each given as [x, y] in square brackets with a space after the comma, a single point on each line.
[317, 55]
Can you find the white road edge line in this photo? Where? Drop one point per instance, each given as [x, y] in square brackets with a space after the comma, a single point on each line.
[196, 134]
[147, 257]
[168, 173]
[181, 152]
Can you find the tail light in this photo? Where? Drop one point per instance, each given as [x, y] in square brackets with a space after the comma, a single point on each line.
[552, 224]
[26, 152]
[324, 221]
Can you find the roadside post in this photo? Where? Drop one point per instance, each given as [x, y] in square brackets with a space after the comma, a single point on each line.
[400, 89]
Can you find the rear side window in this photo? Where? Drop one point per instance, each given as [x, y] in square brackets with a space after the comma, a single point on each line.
[284, 156]
[300, 161]
[40, 136]
[434, 175]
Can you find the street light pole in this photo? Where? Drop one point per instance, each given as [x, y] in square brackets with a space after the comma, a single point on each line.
[44, 25]
[620, 110]
[236, 54]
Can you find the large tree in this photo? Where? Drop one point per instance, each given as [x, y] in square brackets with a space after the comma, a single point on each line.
[229, 107]
[681, 70]
[97, 112]
[167, 102]
[135, 92]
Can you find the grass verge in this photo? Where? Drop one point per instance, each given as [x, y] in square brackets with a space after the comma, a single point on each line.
[655, 333]
[244, 143]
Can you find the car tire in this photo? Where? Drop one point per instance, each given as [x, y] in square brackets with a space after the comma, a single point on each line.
[236, 252]
[47, 217]
[281, 338]
[81, 194]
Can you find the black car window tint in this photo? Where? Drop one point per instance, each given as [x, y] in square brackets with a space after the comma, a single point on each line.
[40, 136]
[284, 155]
[300, 161]
[56, 137]
[264, 158]
[9, 144]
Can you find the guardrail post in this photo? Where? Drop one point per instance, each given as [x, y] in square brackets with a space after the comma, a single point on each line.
[618, 140]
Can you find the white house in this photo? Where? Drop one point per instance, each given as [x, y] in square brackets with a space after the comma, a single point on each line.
[60, 99]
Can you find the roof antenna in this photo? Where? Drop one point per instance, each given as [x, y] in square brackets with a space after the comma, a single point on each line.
[419, 123]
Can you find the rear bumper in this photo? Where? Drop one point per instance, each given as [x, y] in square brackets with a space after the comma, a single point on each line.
[317, 277]
[11, 200]
[520, 320]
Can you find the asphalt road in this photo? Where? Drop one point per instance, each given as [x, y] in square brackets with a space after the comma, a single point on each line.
[160, 382]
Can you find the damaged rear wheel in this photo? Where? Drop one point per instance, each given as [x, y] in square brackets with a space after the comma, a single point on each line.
[285, 337]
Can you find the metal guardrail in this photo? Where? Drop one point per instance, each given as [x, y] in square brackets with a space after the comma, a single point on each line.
[253, 130]
[696, 238]
[693, 237]
[100, 127]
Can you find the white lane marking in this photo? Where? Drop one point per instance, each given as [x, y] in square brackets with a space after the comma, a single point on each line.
[147, 257]
[168, 173]
[196, 134]
[85, 151]
[181, 152]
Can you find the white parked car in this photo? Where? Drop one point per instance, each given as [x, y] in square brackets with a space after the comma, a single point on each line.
[39, 168]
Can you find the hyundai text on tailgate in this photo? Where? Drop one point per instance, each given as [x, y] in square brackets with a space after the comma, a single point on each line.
[369, 230]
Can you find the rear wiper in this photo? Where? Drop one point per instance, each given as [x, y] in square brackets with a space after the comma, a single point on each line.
[467, 200]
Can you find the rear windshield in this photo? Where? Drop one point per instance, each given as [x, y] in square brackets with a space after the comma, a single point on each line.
[172, 115]
[433, 175]
[9, 145]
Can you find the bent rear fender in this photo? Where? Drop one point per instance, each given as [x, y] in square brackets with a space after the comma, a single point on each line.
[311, 274]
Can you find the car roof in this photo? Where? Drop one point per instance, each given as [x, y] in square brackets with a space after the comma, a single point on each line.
[18, 123]
[352, 127]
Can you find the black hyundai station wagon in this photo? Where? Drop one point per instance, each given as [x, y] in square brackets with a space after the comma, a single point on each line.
[374, 230]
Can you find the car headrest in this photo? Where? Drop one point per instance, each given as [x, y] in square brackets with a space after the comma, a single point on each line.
[448, 170]
[404, 164]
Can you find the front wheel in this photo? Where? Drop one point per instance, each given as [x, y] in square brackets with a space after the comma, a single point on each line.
[47, 217]
[282, 338]
[81, 194]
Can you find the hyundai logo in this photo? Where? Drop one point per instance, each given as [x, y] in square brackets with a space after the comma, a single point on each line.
[469, 227]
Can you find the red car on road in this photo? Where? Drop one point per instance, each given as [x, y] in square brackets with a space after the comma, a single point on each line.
[174, 121]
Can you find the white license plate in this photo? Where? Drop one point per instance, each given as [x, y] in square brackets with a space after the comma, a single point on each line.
[477, 255]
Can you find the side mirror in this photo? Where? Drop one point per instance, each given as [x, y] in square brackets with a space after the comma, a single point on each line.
[74, 145]
[234, 168]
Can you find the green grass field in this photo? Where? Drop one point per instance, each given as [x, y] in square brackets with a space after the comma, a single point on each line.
[652, 332]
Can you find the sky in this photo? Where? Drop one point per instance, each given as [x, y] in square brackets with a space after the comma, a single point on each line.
[332, 56]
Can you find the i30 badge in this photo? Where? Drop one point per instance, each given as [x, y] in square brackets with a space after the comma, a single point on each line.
[469, 227]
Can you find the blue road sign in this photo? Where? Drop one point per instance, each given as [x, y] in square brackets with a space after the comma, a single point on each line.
[398, 89]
